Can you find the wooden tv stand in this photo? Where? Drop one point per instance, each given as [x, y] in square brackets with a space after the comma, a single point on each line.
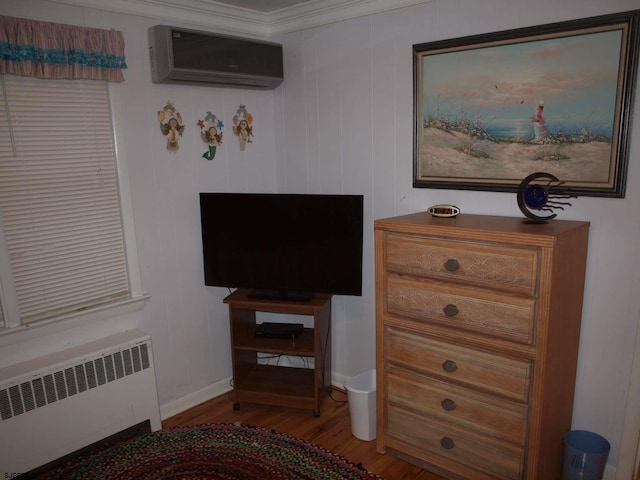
[273, 384]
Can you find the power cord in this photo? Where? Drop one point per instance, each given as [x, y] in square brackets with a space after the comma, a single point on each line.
[330, 393]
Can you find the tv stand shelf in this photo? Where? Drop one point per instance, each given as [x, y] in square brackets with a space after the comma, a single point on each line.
[273, 384]
[303, 345]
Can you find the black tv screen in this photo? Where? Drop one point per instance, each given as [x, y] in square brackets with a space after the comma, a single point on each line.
[285, 246]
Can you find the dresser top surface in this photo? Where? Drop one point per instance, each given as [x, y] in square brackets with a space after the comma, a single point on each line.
[478, 225]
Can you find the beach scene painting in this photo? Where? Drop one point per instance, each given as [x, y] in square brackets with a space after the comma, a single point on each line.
[489, 114]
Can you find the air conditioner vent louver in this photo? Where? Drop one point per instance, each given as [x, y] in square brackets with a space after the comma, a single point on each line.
[38, 392]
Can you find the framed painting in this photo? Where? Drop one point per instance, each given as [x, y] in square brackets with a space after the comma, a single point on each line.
[491, 109]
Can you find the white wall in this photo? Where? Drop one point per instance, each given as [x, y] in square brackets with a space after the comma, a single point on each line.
[340, 123]
[345, 125]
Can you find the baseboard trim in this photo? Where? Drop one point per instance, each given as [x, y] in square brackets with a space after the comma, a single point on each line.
[196, 398]
[212, 391]
[44, 471]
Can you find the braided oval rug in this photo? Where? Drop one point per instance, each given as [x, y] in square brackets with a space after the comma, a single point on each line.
[212, 451]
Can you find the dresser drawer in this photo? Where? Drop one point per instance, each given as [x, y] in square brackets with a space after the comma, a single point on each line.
[502, 376]
[497, 459]
[468, 409]
[493, 266]
[510, 317]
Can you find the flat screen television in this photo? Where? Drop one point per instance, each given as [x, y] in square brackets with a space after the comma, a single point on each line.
[283, 246]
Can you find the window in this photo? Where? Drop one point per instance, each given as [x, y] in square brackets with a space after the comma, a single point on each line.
[61, 235]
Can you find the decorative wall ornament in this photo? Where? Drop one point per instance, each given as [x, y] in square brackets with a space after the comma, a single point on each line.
[171, 125]
[243, 126]
[211, 134]
[542, 192]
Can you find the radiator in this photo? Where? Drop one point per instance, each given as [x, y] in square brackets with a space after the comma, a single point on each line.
[53, 405]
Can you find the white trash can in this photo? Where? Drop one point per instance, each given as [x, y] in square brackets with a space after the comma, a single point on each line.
[361, 394]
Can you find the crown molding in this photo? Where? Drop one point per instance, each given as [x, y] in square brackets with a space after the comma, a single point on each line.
[212, 15]
[216, 15]
[322, 12]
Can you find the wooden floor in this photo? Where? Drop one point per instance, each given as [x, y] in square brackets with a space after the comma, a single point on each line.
[332, 430]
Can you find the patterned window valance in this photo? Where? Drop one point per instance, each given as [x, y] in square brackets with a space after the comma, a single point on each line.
[56, 51]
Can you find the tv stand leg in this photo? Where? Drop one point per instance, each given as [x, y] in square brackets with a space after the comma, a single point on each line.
[316, 413]
[236, 405]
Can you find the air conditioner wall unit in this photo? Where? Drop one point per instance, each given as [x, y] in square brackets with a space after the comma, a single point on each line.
[191, 57]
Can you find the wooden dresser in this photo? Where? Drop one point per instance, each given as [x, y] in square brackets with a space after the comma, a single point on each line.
[478, 324]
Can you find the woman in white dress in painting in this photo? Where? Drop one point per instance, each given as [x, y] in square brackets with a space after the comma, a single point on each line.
[540, 129]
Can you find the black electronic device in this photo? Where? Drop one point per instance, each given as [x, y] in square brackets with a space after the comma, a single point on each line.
[279, 330]
[283, 246]
[444, 210]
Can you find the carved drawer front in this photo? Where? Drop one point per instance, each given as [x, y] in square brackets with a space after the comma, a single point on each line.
[496, 459]
[493, 266]
[502, 376]
[485, 414]
[510, 317]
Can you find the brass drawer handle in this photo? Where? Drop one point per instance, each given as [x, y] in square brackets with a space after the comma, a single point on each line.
[451, 310]
[448, 404]
[447, 443]
[451, 265]
[449, 366]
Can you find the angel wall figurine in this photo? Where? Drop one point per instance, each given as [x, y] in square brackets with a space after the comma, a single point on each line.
[171, 126]
[243, 126]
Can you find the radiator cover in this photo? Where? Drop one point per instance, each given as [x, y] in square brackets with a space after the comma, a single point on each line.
[54, 405]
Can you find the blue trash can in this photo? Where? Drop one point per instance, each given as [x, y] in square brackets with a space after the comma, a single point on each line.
[585, 455]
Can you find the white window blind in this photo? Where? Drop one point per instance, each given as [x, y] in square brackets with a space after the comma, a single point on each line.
[59, 196]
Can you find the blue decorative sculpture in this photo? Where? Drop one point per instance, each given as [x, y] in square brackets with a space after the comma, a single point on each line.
[542, 197]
